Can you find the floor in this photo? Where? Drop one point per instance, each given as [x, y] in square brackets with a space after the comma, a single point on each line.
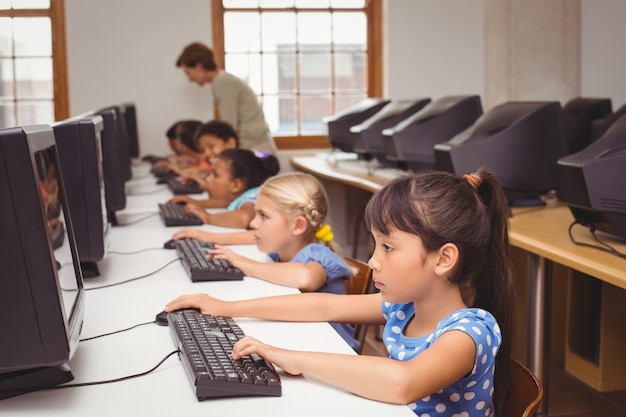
[568, 397]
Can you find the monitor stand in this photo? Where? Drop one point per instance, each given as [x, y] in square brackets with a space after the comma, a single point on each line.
[90, 269]
[21, 382]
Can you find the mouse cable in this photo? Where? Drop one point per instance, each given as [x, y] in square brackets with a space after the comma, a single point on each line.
[149, 216]
[603, 246]
[135, 278]
[117, 331]
[149, 192]
[109, 381]
[114, 252]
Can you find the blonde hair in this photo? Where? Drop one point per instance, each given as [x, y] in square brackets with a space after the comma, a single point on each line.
[300, 194]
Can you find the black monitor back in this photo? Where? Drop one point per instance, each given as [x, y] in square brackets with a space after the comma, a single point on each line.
[130, 117]
[338, 125]
[123, 139]
[113, 164]
[368, 138]
[80, 151]
[519, 142]
[578, 117]
[600, 126]
[591, 181]
[41, 287]
[413, 139]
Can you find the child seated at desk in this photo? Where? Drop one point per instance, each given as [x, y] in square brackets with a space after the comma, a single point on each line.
[442, 266]
[233, 184]
[187, 157]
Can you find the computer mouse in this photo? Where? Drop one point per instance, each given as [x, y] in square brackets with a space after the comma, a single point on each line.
[170, 244]
[161, 318]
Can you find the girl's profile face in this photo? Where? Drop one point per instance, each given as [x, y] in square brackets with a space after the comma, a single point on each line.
[220, 183]
[272, 228]
[212, 146]
[402, 270]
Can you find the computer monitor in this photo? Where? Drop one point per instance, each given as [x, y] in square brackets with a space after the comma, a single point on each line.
[600, 126]
[591, 182]
[578, 117]
[412, 140]
[368, 137]
[42, 298]
[113, 164]
[130, 117]
[79, 144]
[338, 125]
[121, 135]
[518, 141]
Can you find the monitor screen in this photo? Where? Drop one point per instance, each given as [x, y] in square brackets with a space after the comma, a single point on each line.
[589, 181]
[41, 287]
[519, 142]
[79, 143]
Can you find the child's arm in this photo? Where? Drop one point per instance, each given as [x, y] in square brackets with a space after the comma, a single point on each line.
[204, 203]
[305, 277]
[239, 218]
[235, 238]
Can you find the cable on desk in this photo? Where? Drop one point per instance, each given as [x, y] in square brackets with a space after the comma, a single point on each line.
[134, 279]
[113, 252]
[603, 246]
[149, 216]
[153, 191]
[117, 331]
[109, 381]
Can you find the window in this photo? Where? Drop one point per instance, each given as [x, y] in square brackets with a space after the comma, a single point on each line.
[306, 59]
[33, 83]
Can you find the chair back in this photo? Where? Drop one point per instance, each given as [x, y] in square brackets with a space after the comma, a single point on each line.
[524, 394]
[360, 283]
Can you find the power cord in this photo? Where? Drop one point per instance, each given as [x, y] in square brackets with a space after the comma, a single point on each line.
[113, 252]
[149, 216]
[118, 331]
[109, 381]
[134, 279]
[603, 246]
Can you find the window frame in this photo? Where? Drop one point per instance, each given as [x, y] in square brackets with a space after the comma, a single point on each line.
[373, 11]
[56, 13]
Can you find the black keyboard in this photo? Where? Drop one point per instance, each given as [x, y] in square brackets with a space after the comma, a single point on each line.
[179, 188]
[174, 214]
[206, 345]
[193, 254]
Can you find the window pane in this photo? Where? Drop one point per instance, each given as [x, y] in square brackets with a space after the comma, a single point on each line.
[313, 109]
[349, 31]
[312, 3]
[34, 78]
[6, 34]
[356, 4]
[240, 3]
[315, 72]
[33, 36]
[31, 4]
[247, 67]
[241, 32]
[350, 72]
[276, 4]
[6, 78]
[342, 102]
[34, 112]
[280, 114]
[279, 32]
[7, 114]
[279, 73]
[314, 28]
[5, 5]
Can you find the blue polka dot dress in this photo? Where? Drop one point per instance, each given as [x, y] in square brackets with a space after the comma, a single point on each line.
[472, 395]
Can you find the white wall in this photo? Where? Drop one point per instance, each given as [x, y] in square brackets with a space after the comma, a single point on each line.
[603, 66]
[126, 50]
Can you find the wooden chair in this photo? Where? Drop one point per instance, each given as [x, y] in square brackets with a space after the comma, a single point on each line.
[361, 283]
[524, 394]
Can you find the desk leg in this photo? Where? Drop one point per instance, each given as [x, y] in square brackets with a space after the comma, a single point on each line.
[539, 300]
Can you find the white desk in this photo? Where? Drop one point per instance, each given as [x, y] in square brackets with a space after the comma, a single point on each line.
[167, 391]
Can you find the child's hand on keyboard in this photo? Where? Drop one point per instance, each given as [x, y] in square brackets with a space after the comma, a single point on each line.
[283, 358]
[199, 212]
[236, 260]
[203, 302]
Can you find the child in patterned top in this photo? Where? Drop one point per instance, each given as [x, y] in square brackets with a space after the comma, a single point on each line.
[233, 184]
[442, 266]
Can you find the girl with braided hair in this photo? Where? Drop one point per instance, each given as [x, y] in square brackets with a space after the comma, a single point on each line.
[290, 226]
[442, 265]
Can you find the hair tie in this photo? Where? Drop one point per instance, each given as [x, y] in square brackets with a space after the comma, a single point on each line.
[261, 155]
[324, 233]
[474, 180]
